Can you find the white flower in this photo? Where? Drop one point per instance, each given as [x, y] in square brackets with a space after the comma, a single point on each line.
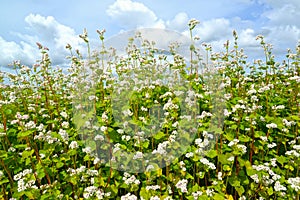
[92, 97]
[87, 150]
[153, 187]
[209, 192]
[129, 196]
[273, 162]
[64, 115]
[155, 198]
[96, 161]
[18, 176]
[11, 149]
[198, 141]
[231, 159]
[103, 128]
[144, 109]
[255, 178]
[149, 168]
[64, 135]
[242, 198]
[288, 123]
[207, 163]
[242, 147]
[130, 179]
[272, 125]
[197, 194]
[42, 155]
[252, 91]
[138, 155]
[65, 124]
[116, 148]
[126, 137]
[227, 96]
[264, 138]
[99, 137]
[204, 114]
[104, 117]
[182, 166]
[233, 142]
[30, 125]
[182, 184]
[220, 176]
[226, 113]
[272, 145]
[127, 113]
[297, 147]
[189, 155]
[279, 187]
[120, 131]
[73, 145]
[295, 183]
[292, 152]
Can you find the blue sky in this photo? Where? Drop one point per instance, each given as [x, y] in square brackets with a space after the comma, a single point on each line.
[54, 23]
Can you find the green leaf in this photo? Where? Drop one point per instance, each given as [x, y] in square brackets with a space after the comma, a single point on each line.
[144, 193]
[159, 135]
[212, 153]
[258, 134]
[3, 154]
[26, 154]
[8, 111]
[244, 138]
[59, 164]
[4, 181]
[226, 168]
[41, 174]
[146, 144]
[229, 135]
[25, 133]
[270, 191]
[218, 196]
[282, 159]
[240, 190]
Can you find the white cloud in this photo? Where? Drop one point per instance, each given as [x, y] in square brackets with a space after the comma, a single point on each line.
[282, 24]
[286, 14]
[11, 51]
[247, 38]
[214, 29]
[283, 37]
[129, 15]
[179, 23]
[48, 32]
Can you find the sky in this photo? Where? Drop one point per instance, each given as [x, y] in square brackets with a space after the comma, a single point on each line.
[55, 23]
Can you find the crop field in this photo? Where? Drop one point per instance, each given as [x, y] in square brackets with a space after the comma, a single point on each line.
[152, 126]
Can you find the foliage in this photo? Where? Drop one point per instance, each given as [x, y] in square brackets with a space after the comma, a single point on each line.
[255, 153]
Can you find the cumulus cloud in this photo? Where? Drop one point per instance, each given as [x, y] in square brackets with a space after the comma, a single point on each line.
[129, 15]
[214, 29]
[11, 51]
[45, 30]
[283, 37]
[277, 20]
[51, 31]
[179, 22]
[287, 14]
[52, 34]
[282, 24]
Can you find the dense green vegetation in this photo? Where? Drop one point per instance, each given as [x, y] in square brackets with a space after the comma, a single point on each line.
[245, 146]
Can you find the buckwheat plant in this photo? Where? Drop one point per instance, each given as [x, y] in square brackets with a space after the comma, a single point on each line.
[89, 131]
